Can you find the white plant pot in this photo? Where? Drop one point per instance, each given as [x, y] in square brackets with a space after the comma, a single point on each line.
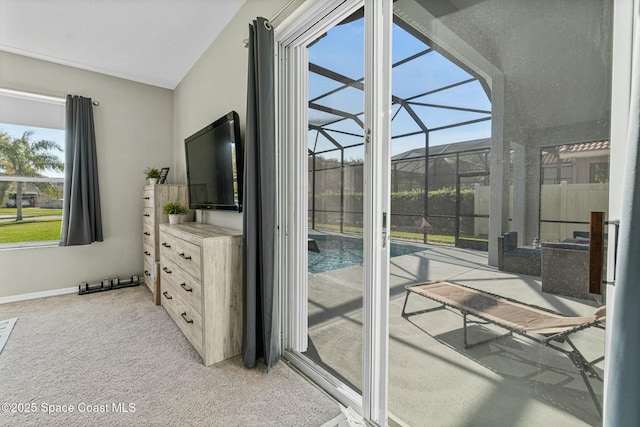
[174, 219]
[151, 181]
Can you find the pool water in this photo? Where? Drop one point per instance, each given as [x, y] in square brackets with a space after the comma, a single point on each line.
[340, 252]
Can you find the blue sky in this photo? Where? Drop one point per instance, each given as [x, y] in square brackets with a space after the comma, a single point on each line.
[342, 51]
[56, 135]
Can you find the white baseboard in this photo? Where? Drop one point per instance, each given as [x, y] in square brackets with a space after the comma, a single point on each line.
[34, 295]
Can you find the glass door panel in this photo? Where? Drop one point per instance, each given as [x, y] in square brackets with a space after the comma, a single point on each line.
[479, 90]
[335, 232]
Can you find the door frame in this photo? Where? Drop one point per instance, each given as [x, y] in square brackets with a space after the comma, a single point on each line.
[291, 39]
[377, 208]
[625, 23]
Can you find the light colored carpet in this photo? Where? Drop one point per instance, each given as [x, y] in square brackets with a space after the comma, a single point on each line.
[103, 350]
[6, 326]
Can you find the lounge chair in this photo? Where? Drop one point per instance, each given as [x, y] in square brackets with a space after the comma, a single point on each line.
[538, 324]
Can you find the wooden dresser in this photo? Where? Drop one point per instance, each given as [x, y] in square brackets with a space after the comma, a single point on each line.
[202, 287]
[154, 197]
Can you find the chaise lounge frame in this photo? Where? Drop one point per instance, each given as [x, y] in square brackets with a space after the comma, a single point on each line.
[547, 336]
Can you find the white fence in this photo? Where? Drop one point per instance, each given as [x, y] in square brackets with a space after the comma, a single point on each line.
[558, 202]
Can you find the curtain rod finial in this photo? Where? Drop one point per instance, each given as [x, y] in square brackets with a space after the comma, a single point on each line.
[245, 43]
[95, 103]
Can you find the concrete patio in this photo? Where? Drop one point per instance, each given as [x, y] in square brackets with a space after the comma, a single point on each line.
[433, 379]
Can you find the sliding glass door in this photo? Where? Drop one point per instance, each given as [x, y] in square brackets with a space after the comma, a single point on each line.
[502, 126]
[336, 164]
[335, 194]
[425, 141]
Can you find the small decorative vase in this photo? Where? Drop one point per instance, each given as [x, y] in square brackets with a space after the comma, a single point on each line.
[174, 219]
[151, 181]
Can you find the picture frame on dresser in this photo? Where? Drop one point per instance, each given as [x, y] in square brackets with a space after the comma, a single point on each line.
[163, 175]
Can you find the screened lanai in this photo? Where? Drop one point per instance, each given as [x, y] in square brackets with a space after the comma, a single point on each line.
[441, 129]
[454, 143]
[500, 124]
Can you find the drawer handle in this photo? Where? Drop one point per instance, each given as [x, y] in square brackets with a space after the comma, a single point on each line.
[146, 215]
[166, 295]
[166, 270]
[166, 245]
[184, 286]
[147, 253]
[186, 319]
[182, 255]
[147, 198]
[146, 273]
[146, 233]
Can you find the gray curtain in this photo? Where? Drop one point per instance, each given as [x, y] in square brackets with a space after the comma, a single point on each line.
[621, 406]
[260, 339]
[81, 216]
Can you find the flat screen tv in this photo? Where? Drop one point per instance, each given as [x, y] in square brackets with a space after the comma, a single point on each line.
[215, 160]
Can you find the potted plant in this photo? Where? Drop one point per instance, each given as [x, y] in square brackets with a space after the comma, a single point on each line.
[152, 175]
[175, 210]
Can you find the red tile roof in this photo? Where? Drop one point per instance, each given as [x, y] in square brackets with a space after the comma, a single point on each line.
[585, 146]
[565, 151]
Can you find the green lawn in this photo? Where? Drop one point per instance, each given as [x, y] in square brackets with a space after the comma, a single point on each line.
[28, 212]
[30, 230]
[432, 238]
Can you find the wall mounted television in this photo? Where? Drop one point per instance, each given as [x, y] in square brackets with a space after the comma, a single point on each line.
[215, 164]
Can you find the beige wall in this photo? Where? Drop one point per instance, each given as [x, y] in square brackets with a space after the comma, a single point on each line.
[215, 85]
[134, 126]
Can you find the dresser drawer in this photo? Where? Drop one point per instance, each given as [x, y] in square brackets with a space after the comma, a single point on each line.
[152, 278]
[189, 321]
[149, 274]
[186, 254]
[182, 284]
[147, 198]
[148, 233]
[148, 250]
[147, 216]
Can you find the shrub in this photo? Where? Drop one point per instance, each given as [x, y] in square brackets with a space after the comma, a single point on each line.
[151, 173]
[175, 208]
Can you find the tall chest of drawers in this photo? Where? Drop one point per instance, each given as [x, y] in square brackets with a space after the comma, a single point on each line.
[154, 197]
[202, 287]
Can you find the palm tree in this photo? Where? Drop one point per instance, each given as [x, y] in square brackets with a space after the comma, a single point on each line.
[4, 185]
[22, 157]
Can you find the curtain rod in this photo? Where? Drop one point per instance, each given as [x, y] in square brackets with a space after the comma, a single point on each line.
[267, 23]
[30, 95]
[36, 96]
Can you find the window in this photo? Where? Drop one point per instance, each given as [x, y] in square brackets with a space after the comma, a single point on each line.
[599, 173]
[31, 168]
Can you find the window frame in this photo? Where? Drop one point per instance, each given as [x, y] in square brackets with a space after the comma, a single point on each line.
[43, 100]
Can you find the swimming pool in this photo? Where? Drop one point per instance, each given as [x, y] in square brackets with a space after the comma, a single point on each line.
[341, 251]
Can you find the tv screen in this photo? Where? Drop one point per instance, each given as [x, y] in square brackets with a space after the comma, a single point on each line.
[215, 157]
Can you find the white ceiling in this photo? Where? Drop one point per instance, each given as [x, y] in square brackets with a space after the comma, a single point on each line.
[149, 41]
